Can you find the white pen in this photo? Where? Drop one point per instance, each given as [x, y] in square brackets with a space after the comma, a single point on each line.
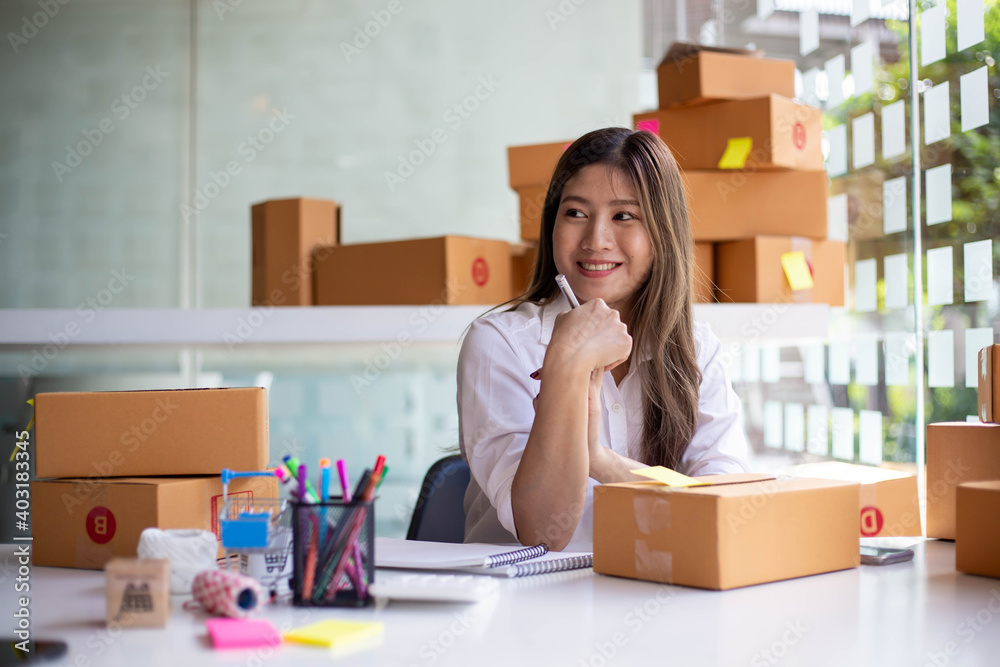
[573, 303]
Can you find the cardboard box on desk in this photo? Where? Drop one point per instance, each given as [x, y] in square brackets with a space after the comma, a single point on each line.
[136, 433]
[522, 266]
[957, 452]
[704, 273]
[751, 270]
[740, 530]
[727, 205]
[977, 528]
[284, 234]
[694, 74]
[446, 269]
[531, 204]
[989, 384]
[83, 523]
[783, 133]
[532, 166]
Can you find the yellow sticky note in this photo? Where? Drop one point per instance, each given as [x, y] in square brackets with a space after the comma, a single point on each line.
[737, 152]
[668, 476]
[334, 633]
[797, 270]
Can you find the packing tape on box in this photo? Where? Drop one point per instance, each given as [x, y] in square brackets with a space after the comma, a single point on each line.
[226, 594]
[652, 564]
[651, 512]
[189, 552]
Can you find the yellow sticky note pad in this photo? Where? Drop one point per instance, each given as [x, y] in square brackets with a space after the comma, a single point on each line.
[736, 154]
[334, 633]
[797, 270]
[668, 476]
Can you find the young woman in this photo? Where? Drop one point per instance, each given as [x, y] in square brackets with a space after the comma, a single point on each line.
[626, 380]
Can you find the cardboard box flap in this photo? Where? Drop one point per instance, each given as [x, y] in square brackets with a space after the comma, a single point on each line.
[705, 481]
[681, 50]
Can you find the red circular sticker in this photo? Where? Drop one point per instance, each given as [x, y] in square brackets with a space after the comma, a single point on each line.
[480, 271]
[799, 135]
[871, 521]
[100, 525]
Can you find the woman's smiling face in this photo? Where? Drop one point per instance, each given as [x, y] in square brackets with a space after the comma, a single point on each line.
[599, 240]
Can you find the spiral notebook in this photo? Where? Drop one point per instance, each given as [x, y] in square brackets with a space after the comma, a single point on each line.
[488, 559]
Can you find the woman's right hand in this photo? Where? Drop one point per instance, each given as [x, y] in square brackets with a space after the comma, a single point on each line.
[592, 336]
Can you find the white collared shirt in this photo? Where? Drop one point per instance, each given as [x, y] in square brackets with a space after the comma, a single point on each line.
[495, 415]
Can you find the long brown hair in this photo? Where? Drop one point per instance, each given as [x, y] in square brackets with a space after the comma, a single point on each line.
[661, 319]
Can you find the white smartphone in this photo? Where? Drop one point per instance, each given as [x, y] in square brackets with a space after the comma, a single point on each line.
[884, 555]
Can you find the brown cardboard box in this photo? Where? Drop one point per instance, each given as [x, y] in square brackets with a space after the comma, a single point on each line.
[989, 392]
[532, 166]
[977, 528]
[85, 522]
[750, 271]
[890, 505]
[730, 205]
[742, 530]
[785, 134]
[284, 233]
[693, 74]
[522, 266]
[135, 433]
[531, 203]
[137, 591]
[446, 269]
[957, 452]
[704, 273]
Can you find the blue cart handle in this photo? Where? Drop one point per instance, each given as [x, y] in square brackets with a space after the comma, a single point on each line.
[228, 475]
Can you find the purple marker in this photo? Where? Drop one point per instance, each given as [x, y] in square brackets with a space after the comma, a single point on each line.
[302, 482]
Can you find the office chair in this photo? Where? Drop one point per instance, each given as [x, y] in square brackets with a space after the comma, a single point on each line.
[439, 515]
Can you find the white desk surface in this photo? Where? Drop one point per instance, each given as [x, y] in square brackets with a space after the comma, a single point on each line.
[905, 614]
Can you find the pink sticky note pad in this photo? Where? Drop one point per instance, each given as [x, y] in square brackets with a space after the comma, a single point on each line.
[650, 125]
[242, 632]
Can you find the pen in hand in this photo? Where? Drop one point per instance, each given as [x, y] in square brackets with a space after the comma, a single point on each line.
[573, 303]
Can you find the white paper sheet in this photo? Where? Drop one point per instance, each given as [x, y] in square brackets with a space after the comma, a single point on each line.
[764, 9]
[813, 363]
[860, 11]
[932, 24]
[863, 141]
[808, 32]
[809, 83]
[971, 23]
[866, 360]
[937, 119]
[940, 277]
[751, 363]
[941, 358]
[795, 427]
[870, 436]
[840, 362]
[894, 205]
[898, 352]
[978, 270]
[862, 68]
[836, 217]
[773, 425]
[895, 275]
[894, 129]
[865, 298]
[818, 430]
[770, 363]
[975, 96]
[836, 161]
[975, 340]
[842, 430]
[834, 68]
[937, 183]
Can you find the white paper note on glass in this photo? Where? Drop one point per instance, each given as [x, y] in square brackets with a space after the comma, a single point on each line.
[836, 217]
[937, 182]
[795, 427]
[863, 141]
[870, 436]
[836, 161]
[772, 424]
[975, 96]
[941, 358]
[860, 11]
[894, 205]
[813, 363]
[751, 363]
[978, 270]
[897, 289]
[809, 79]
[817, 430]
[971, 23]
[770, 363]
[932, 24]
[764, 9]
[842, 430]
[940, 277]
[840, 362]
[894, 129]
[865, 298]
[975, 340]
[937, 119]
[808, 32]
[862, 68]
[866, 360]
[834, 68]
[898, 351]
[972, 419]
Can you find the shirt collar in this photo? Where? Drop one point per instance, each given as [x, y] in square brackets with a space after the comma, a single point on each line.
[548, 320]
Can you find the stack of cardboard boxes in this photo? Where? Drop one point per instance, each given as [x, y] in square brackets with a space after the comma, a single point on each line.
[111, 464]
[753, 167]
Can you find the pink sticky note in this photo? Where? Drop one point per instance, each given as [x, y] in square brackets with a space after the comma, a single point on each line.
[650, 125]
[242, 632]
